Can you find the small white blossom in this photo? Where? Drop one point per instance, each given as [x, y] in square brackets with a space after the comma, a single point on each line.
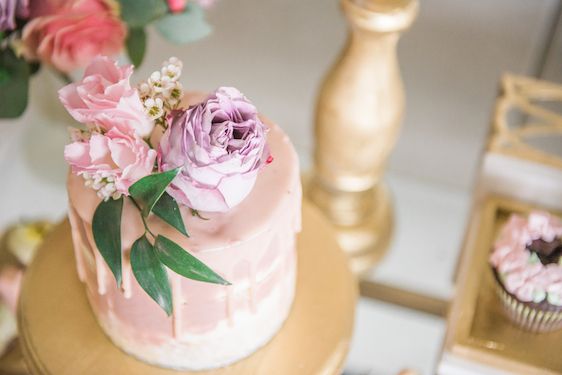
[173, 72]
[174, 94]
[154, 107]
[162, 91]
[103, 183]
[173, 61]
[144, 89]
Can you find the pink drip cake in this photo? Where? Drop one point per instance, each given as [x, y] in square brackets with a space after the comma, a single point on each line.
[251, 244]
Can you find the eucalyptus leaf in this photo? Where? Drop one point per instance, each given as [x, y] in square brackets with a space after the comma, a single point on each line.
[168, 210]
[151, 274]
[148, 190]
[186, 27]
[183, 263]
[106, 226]
[14, 84]
[136, 45]
[139, 13]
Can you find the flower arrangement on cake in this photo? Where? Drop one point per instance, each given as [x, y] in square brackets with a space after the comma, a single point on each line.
[527, 264]
[179, 191]
[66, 34]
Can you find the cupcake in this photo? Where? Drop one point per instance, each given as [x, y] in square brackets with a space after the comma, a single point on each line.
[527, 265]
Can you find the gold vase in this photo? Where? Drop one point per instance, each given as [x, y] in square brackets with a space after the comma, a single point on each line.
[358, 115]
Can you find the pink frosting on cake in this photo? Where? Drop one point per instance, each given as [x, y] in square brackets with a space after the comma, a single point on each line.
[521, 272]
[251, 245]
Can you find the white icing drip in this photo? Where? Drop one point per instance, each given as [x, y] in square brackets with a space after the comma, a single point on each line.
[252, 290]
[177, 304]
[229, 307]
[127, 276]
[101, 273]
[76, 225]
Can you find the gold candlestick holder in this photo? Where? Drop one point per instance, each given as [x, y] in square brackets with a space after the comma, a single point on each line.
[358, 116]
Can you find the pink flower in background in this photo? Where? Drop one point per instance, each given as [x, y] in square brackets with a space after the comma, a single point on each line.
[105, 98]
[177, 6]
[9, 10]
[111, 162]
[220, 145]
[38, 8]
[68, 35]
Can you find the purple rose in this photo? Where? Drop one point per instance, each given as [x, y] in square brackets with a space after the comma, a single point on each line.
[9, 10]
[220, 145]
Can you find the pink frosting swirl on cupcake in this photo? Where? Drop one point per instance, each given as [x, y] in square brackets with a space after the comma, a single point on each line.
[520, 270]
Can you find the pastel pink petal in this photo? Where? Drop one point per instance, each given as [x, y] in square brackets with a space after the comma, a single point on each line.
[122, 153]
[77, 154]
[237, 187]
[99, 150]
[105, 67]
[525, 293]
[200, 198]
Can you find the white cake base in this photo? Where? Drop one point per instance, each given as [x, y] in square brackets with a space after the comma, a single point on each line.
[226, 344]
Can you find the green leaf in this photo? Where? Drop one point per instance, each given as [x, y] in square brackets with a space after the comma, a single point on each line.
[151, 274]
[34, 67]
[136, 45]
[148, 190]
[139, 13]
[185, 27]
[106, 226]
[168, 210]
[183, 263]
[14, 84]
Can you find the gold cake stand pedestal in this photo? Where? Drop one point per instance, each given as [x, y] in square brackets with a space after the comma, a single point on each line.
[59, 333]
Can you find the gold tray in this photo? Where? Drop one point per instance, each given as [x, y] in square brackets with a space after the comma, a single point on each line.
[59, 334]
[478, 330]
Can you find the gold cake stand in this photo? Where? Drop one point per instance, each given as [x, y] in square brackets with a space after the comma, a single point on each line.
[60, 335]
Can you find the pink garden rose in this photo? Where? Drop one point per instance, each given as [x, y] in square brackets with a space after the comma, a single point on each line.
[111, 162]
[69, 34]
[104, 98]
[220, 145]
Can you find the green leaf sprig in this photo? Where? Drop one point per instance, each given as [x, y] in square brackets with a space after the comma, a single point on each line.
[149, 260]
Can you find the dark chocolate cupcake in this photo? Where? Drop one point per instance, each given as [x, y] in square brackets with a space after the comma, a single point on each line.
[527, 265]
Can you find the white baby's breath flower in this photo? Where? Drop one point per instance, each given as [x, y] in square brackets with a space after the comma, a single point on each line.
[162, 91]
[155, 82]
[103, 183]
[154, 107]
[173, 72]
[173, 61]
[174, 95]
[144, 89]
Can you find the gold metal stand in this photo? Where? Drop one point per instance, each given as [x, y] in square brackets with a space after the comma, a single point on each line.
[59, 333]
[358, 115]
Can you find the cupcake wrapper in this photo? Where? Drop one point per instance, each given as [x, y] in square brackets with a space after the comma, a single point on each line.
[526, 317]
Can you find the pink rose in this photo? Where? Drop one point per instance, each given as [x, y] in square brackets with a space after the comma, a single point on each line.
[105, 98]
[68, 35]
[220, 145]
[177, 6]
[111, 162]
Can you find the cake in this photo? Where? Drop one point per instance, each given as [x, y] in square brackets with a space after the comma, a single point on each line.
[527, 265]
[242, 229]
